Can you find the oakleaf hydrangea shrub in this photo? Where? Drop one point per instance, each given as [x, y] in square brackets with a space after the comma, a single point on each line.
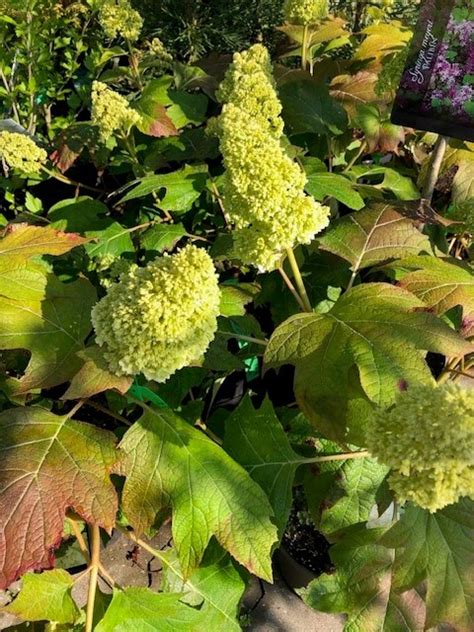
[226, 312]
[160, 318]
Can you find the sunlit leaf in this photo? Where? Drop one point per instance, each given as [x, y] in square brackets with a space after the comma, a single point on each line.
[49, 464]
[167, 462]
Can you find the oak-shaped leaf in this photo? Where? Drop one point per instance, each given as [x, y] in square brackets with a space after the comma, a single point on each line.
[46, 596]
[354, 89]
[376, 234]
[208, 599]
[22, 274]
[441, 284]
[309, 108]
[52, 328]
[353, 494]
[216, 587]
[95, 377]
[437, 548]
[22, 241]
[168, 463]
[368, 346]
[322, 184]
[256, 440]
[49, 464]
[235, 296]
[38, 313]
[362, 587]
[182, 188]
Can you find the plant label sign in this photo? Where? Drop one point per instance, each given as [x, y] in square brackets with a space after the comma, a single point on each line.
[437, 88]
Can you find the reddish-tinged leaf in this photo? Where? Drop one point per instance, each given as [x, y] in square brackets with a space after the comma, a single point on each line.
[49, 464]
[22, 241]
[94, 377]
[72, 143]
[157, 123]
[376, 234]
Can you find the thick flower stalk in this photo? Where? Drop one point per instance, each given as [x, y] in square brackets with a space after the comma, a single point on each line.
[305, 11]
[111, 111]
[118, 18]
[263, 187]
[427, 438]
[20, 152]
[160, 318]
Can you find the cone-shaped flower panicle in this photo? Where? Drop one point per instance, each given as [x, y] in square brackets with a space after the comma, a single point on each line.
[263, 187]
[21, 152]
[427, 438]
[305, 11]
[159, 318]
[111, 111]
[118, 18]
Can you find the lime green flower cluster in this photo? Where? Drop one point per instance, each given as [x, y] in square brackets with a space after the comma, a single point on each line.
[160, 53]
[427, 438]
[20, 152]
[118, 18]
[305, 11]
[263, 187]
[160, 318]
[111, 111]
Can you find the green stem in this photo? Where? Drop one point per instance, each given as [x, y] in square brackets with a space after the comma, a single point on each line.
[358, 155]
[304, 49]
[62, 178]
[325, 458]
[94, 575]
[257, 341]
[436, 162]
[291, 287]
[299, 280]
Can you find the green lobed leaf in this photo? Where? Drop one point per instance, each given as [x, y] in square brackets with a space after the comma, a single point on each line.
[162, 237]
[235, 296]
[256, 440]
[401, 186]
[52, 328]
[169, 463]
[372, 236]
[183, 187]
[45, 596]
[308, 107]
[142, 610]
[208, 599]
[216, 587]
[49, 464]
[437, 548]
[441, 284]
[89, 217]
[354, 494]
[20, 242]
[164, 111]
[362, 587]
[323, 184]
[381, 330]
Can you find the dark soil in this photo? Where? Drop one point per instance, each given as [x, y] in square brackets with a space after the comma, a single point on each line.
[306, 545]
